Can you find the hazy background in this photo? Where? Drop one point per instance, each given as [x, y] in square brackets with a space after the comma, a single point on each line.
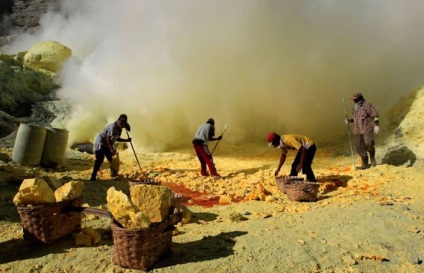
[258, 65]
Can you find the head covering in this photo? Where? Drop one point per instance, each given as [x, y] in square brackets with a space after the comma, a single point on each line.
[123, 117]
[270, 137]
[357, 95]
[211, 121]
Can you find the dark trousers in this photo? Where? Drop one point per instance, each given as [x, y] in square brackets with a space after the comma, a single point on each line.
[307, 164]
[205, 158]
[100, 157]
[365, 143]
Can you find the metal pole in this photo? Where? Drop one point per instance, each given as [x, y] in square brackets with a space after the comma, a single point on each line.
[128, 135]
[348, 131]
[225, 129]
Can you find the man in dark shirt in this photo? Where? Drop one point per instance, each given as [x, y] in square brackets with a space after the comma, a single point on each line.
[104, 144]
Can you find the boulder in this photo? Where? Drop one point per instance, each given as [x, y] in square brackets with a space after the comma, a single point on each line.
[124, 212]
[94, 234]
[47, 55]
[34, 191]
[69, 191]
[154, 201]
[82, 239]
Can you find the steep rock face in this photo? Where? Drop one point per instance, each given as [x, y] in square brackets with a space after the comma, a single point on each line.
[22, 15]
[21, 87]
[406, 121]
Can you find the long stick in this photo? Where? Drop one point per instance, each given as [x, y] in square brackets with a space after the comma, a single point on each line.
[348, 131]
[128, 135]
[225, 129]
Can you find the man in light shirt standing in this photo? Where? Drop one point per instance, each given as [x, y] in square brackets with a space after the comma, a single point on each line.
[204, 134]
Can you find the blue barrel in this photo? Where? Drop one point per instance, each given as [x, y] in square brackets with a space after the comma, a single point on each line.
[29, 144]
[55, 147]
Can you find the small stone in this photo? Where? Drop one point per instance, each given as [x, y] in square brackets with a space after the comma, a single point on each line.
[349, 260]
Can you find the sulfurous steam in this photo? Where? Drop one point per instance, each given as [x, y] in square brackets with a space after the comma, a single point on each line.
[258, 65]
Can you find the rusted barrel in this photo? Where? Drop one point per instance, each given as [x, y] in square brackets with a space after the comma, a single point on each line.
[55, 147]
[29, 143]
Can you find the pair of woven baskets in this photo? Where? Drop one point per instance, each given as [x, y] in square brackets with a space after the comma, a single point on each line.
[297, 189]
[141, 248]
[50, 222]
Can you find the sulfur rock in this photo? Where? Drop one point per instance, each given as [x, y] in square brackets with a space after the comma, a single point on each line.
[94, 234]
[34, 191]
[47, 55]
[123, 210]
[154, 201]
[82, 239]
[69, 191]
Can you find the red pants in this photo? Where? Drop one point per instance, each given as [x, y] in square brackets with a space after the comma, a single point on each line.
[205, 158]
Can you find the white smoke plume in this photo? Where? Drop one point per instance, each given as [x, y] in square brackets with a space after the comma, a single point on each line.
[261, 66]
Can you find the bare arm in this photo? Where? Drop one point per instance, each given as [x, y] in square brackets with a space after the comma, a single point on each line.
[109, 145]
[280, 164]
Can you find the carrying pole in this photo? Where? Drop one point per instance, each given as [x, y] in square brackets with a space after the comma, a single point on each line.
[348, 132]
[128, 135]
[225, 129]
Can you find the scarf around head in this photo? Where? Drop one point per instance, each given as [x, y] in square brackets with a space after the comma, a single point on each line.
[359, 104]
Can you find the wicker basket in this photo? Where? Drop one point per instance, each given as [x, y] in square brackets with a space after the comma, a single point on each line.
[141, 248]
[283, 181]
[302, 191]
[145, 181]
[50, 222]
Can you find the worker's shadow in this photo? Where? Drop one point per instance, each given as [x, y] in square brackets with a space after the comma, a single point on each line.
[398, 156]
[205, 249]
[203, 217]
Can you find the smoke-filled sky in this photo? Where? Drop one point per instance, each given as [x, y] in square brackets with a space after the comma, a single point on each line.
[260, 66]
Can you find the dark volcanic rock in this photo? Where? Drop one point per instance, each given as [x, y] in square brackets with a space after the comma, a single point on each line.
[8, 124]
[22, 15]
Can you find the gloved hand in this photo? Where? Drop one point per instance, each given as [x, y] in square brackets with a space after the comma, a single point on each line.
[220, 137]
[129, 139]
[376, 130]
[347, 120]
[127, 127]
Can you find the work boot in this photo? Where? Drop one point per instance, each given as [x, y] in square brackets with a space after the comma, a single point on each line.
[113, 173]
[373, 162]
[364, 163]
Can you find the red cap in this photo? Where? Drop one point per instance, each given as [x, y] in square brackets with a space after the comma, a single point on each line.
[270, 137]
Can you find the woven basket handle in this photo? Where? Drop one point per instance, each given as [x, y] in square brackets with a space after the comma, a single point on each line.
[99, 212]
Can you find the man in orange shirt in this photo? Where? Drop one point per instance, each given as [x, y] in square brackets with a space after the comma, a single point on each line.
[305, 153]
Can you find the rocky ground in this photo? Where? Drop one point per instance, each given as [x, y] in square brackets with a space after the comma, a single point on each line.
[363, 221]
